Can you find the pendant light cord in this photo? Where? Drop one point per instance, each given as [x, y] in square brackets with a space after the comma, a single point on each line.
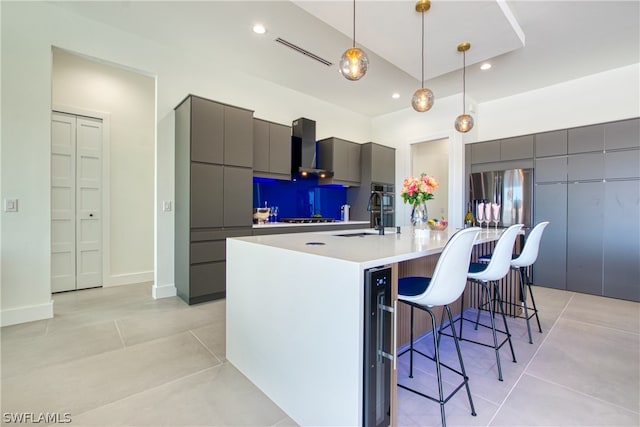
[422, 50]
[464, 79]
[354, 23]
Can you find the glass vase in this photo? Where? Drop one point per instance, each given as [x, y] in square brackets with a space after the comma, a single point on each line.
[419, 216]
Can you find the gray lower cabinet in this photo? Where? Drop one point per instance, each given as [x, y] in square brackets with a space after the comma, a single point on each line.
[621, 239]
[550, 269]
[585, 207]
[272, 150]
[213, 192]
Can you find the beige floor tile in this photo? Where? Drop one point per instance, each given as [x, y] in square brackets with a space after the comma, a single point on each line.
[535, 402]
[91, 382]
[608, 312]
[19, 356]
[219, 396]
[24, 330]
[597, 361]
[213, 337]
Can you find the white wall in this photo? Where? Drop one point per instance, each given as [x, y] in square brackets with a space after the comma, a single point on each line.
[432, 158]
[129, 99]
[29, 30]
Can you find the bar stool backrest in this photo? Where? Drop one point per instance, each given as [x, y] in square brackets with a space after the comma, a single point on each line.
[450, 274]
[529, 253]
[500, 262]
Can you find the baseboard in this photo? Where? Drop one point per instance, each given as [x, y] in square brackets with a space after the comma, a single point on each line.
[129, 278]
[164, 291]
[14, 316]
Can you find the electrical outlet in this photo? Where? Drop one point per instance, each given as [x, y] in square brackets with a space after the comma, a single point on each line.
[11, 205]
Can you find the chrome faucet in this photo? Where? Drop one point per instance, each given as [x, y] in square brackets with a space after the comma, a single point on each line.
[379, 227]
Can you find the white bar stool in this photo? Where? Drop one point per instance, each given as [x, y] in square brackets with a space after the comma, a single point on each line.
[444, 287]
[485, 273]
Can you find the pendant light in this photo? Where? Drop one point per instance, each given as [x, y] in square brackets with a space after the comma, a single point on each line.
[354, 62]
[464, 122]
[422, 99]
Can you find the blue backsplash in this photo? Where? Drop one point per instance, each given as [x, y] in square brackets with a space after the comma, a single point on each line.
[299, 199]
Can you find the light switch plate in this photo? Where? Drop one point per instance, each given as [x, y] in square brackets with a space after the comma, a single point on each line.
[11, 205]
[166, 206]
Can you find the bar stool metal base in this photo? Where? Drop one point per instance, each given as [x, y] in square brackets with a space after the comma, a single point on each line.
[441, 399]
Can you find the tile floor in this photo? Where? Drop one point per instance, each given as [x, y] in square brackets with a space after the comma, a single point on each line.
[115, 356]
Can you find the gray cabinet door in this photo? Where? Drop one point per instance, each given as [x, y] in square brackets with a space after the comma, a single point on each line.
[551, 143]
[238, 137]
[280, 149]
[353, 159]
[260, 145]
[550, 269]
[551, 169]
[207, 279]
[383, 164]
[624, 134]
[207, 131]
[622, 164]
[585, 236]
[238, 199]
[520, 147]
[206, 195]
[621, 228]
[586, 139]
[485, 152]
[585, 166]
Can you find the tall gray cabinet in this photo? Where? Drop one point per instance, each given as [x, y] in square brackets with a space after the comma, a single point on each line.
[213, 192]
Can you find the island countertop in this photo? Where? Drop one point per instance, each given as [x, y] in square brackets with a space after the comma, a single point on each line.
[365, 246]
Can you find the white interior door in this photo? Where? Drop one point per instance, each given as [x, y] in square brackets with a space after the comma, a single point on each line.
[76, 194]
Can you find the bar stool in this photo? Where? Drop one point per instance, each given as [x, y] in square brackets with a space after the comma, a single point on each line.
[444, 287]
[485, 273]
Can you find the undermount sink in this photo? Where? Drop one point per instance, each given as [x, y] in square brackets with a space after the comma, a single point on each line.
[361, 234]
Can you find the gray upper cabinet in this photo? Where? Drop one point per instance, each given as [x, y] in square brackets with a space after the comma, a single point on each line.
[238, 200]
[238, 137]
[622, 164]
[342, 157]
[272, 150]
[551, 169]
[207, 130]
[485, 152]
[586, 139]
[383, 162]
[587, 166]
[623, 134]
[206, 195]
[520, 147]
[551, 143]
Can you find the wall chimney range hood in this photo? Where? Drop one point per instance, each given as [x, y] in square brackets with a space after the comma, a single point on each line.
[304, 159]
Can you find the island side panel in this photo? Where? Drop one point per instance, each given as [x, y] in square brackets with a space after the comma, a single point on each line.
[294, 328]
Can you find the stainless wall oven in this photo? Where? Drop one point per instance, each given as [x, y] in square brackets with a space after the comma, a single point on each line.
[378, 347]
[384, 204]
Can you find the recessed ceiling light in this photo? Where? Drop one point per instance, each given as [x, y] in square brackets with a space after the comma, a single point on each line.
[259, 29]
[396, 95]
[485, 66]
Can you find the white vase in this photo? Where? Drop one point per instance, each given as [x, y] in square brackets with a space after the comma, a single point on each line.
[419, 215]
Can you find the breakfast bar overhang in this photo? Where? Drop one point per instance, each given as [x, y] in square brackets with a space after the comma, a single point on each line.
[295, 314]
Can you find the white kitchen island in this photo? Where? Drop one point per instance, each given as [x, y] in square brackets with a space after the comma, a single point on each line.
[295, 314]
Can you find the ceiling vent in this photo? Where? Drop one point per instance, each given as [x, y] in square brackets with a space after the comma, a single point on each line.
[303, 51]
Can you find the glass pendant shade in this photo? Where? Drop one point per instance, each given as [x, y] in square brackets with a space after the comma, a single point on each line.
[464, 123]
[422, 100]
[354, 63]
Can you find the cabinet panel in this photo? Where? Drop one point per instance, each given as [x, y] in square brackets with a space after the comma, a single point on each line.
[624, 134]
[551, 169]
[206, 195]
[383, 168]
[622, 164]
[551, 143]
[584, 237]
[207, 130]
[520, 147]
[485, 152]
[260, 145]
[353, 156]
[280, 149]
[585, 166]
[207, 279]
[238, 189]
[208, 251]
[550, 269]
[238, 137]
[585, 139]
[622, 240]
[342, 157]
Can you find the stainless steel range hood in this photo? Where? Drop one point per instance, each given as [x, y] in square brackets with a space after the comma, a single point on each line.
[304, 161]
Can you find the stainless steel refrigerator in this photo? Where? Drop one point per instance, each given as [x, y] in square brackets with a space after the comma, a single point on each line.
[511, 189]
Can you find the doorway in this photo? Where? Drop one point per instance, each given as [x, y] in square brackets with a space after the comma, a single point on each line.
[432, 158]
[76, 208]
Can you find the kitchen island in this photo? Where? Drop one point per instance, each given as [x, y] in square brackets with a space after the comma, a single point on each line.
[295, 313]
